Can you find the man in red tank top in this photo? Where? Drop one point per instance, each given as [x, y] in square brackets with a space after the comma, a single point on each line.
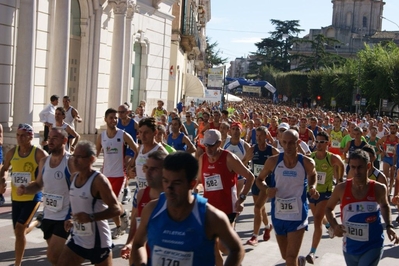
[153, 173]
[218, 175]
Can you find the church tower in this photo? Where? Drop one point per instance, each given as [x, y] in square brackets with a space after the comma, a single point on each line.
[358, 16]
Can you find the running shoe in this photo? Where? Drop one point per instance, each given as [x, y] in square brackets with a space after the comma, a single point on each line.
[253, 241]
[126, 196]
[39, 219]
[124, 221]
[310, 258]
[266, 233]
[117, 233]
[301, 261]
[2, 200]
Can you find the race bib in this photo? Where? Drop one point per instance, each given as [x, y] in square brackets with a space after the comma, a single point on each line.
[257, 169]
[321, 178]
[170, 257]
[141, 182]
[336, 144]
[287, 206]
[357, 231]
[85, 229]
[213, 182]
[53, 202]
[21, 178]
[390, 149]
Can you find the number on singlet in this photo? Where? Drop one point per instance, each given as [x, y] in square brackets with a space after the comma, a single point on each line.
[170, 262]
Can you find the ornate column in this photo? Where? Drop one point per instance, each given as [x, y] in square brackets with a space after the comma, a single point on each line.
[117, 53]
[127, 69]
[59, 55]
[25, 64]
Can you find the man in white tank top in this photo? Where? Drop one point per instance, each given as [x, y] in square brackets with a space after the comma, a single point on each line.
[91, 236]
[292, 172]
[111, 142]
[147, 132]
[54, 178]
[71, 114]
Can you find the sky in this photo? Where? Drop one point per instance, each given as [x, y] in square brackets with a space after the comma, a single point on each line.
[236, 25]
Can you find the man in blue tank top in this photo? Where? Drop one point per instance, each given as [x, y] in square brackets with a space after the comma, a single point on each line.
[181, 227]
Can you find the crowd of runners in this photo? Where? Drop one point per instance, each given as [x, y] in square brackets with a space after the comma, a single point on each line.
[193, 168]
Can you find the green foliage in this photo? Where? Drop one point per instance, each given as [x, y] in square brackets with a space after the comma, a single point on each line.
[213, 54]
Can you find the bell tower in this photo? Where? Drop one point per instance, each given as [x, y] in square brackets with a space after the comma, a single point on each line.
[358, 16]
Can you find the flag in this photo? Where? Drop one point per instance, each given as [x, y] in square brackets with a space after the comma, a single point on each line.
[233, 85]
[270, 87]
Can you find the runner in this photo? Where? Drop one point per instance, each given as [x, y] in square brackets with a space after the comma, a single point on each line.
[164, 222]
[178, 140]
[292, 173]
[23, 160]
[363, 202]
[111, 141]
[262, 151]
[153, 173]
[387, 146]
[91, 236]
[54, 178]
[329, 167]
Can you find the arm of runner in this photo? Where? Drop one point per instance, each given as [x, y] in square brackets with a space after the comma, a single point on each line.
[127, 248]
[382, 199]
[339, 167]
[72, 132]
[101, 189]
[129, 140]
[199, 177]
[76, 116]
[98, 145]
[234, 164]
[336, 196]
[217, 225]
[4, 170]
[249, 153]
[190, 146]
[310, 169]
[139, 252]
[36, 185]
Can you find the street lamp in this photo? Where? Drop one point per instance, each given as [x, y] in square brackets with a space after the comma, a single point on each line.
[259, 63]
[390, 21]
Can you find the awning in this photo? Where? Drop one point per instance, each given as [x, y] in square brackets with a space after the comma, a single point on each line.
[193, 86]
[232, 98]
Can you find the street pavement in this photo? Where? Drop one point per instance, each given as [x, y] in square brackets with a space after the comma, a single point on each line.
[328, 253]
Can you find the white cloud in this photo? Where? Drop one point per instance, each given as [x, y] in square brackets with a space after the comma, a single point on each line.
[247, 40]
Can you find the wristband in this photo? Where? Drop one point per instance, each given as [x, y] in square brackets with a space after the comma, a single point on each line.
[389, 226]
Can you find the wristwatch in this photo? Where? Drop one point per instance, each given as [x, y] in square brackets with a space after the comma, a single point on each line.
[243, 197]
[92, 217]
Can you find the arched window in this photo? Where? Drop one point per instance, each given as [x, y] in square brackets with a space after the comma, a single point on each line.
[75, 18]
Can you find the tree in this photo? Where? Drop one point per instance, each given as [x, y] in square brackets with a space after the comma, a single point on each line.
[213, 54]
[274, 51]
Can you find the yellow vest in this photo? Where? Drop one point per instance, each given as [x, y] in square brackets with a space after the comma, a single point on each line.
[23, 171]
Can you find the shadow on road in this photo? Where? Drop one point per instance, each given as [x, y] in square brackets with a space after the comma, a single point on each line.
[32, 256]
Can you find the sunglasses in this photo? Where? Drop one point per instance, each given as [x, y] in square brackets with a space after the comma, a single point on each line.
[321, 141]
[210, 146]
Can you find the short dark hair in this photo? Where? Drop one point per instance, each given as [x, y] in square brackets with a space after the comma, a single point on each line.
[359, 154]
[177, 119]
[369, 149]
[323, 134]
[149, 122]
[61, 109]
[182, 161]
[262, 129]
[110, 111]
[54, 98]
[66, 97]
[158, 155]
